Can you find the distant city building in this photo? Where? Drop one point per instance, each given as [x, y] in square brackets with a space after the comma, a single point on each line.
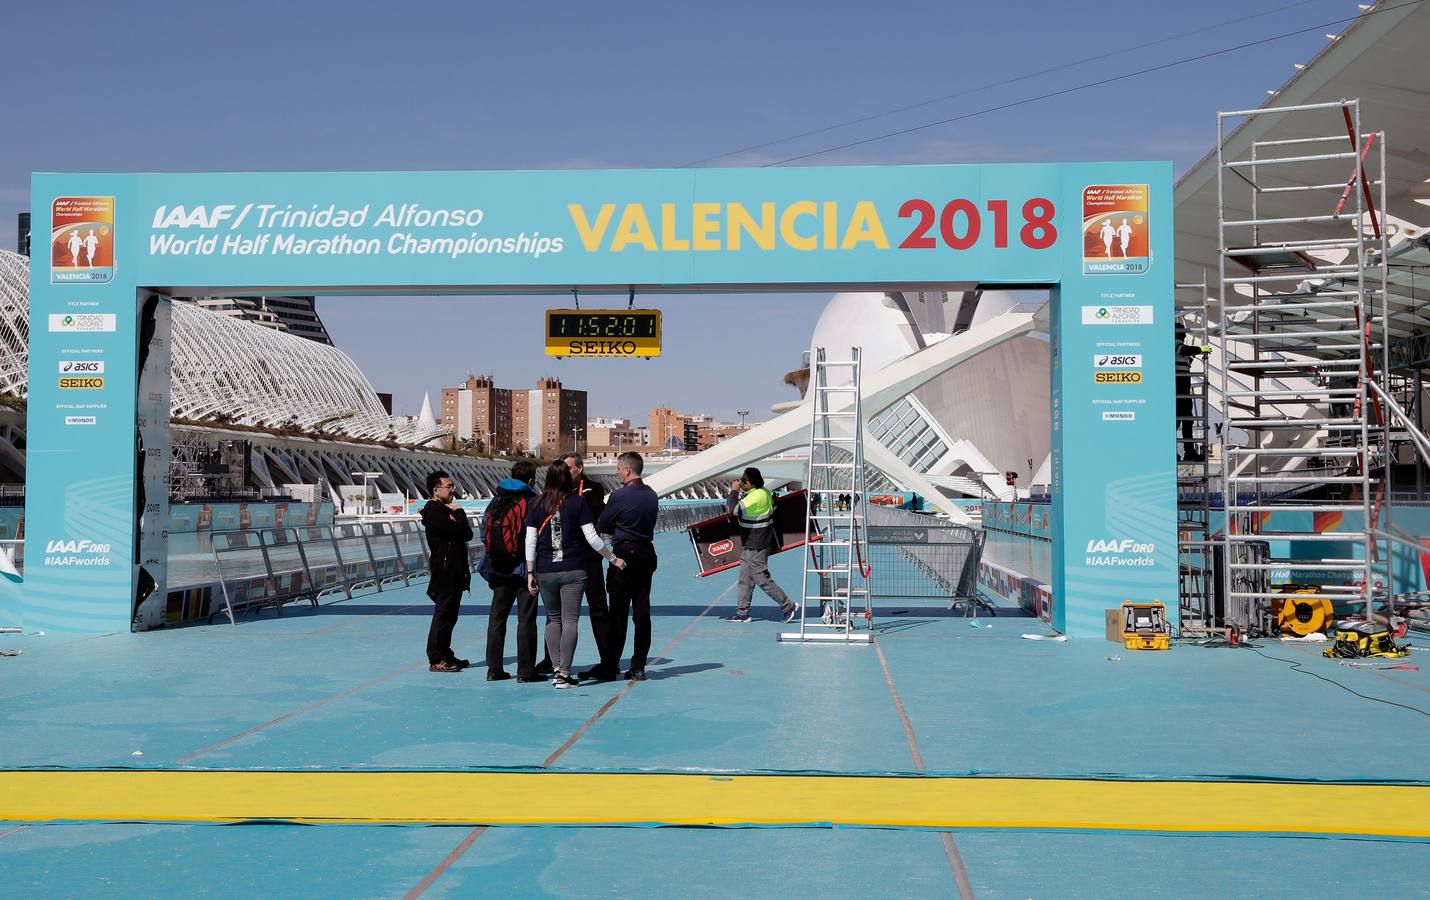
[610, 437]
[548, 420]
[671, 429]
[297, 316]
[480, 412]
[665, 423]
[22, 241]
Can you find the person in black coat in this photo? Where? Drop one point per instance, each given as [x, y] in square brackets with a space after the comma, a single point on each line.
[448, 532]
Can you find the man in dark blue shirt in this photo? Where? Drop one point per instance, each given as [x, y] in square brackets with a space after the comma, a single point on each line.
[629, 517]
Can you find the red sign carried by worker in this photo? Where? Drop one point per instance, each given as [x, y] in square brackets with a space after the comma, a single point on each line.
[717, 541]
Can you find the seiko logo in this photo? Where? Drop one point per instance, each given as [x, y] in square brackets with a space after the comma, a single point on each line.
[201, 216]
[76, 547]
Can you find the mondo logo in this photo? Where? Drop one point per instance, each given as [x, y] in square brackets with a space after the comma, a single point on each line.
[720, 548]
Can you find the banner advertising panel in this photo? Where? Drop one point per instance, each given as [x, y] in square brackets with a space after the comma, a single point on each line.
[667, 231]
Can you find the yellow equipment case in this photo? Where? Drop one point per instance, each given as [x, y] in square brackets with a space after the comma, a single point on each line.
[1361, 640]
[1144, 626]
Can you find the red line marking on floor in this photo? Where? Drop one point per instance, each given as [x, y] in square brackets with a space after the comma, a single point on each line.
[445, 864]
[1369, 670]
[300, 711]
[605, 707]
[475, 833]
[297, 712]
[950, 846]
[15, 830]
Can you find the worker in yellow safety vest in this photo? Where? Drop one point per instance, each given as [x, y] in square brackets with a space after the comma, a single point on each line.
[754, 510]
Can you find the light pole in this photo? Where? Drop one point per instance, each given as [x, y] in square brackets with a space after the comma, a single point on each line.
[742, 413]
[366, 496]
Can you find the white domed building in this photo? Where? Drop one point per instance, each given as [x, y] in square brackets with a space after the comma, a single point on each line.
[966, 427]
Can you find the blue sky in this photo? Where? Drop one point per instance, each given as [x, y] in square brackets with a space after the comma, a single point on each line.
[264, 86]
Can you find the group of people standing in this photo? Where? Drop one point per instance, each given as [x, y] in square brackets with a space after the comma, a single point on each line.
[548, 544]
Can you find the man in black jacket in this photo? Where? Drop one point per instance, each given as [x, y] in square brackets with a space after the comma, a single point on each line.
[448, 532]
[630, 520]
[1185, 411]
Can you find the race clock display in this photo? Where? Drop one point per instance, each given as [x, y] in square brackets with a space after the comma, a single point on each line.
[603, 332]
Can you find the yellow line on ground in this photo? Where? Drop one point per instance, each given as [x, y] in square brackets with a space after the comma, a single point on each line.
[554, 798]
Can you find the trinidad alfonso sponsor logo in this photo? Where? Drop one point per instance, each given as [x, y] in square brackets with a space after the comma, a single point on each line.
[1120, 553]
[84, 322]
[76, 553]
[1117, 315]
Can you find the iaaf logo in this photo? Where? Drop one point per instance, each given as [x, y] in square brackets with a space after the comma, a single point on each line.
[76, 553]
[1123, 552]
[200, 215]
[721, 547]
[1126, 545]
[76, 547]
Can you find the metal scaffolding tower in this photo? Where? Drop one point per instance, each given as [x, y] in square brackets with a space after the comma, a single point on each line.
[1302, 266]
[836, 551]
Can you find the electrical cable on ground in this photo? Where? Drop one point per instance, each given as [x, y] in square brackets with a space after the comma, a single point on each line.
[1298, 667]
[1091, 84]
[995, 84]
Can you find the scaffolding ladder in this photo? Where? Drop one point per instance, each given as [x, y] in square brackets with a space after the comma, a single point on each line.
[1196, 570]
[1302, 267]
[835, 537]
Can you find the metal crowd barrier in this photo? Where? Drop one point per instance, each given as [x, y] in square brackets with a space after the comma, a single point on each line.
[920, 557]
[277, 566]
[679, 518]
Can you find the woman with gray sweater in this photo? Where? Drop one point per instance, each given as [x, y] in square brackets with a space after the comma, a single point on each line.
[561, 539]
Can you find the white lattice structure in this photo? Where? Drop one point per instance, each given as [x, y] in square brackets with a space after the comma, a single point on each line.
[14, 324]
[231, 371]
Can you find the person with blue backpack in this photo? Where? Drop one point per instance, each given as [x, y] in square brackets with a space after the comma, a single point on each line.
[504, 568]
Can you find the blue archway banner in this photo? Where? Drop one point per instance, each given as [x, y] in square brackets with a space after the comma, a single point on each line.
[1099, 234]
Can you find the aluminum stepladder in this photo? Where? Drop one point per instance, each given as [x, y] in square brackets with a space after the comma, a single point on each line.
[1195, 563]
[835, 551]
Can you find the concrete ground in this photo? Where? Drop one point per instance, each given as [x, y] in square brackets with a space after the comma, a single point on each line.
[345, 688]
